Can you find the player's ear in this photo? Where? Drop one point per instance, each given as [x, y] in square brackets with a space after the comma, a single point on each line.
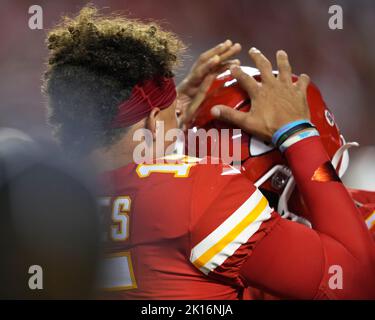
[151, 121]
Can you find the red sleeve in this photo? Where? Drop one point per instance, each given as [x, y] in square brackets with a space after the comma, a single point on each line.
[332, 210]
[230, 216]
[365, 201]
[294, 261]
[363, 196]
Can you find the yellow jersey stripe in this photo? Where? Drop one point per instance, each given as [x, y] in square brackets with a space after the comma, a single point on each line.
[370, 221]
[230, 236]
[236, 217]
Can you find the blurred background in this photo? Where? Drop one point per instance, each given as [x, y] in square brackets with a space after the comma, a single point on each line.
[340, 62]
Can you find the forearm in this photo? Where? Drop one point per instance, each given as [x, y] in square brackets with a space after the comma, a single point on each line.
[331, 209]
[293, 261]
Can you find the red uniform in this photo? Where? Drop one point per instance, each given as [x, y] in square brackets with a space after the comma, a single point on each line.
[365, 201]
[196, 231]
[184, 221]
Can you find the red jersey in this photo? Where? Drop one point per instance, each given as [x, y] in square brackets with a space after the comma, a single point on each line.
[174, 224]
[195, 231]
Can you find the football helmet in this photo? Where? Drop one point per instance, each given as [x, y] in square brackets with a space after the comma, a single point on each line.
[261, 162]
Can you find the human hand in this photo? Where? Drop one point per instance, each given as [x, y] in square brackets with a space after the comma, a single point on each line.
[275, 101]
[192, 90]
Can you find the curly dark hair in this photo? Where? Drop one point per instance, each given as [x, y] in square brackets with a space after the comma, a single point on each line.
[94, 63]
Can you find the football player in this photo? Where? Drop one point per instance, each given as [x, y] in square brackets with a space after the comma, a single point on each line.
[182, 229]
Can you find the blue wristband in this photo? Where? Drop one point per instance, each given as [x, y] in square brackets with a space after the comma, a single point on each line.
[276, 136]
[298, 137]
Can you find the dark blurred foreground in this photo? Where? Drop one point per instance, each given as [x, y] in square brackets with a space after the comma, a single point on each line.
[48, 219]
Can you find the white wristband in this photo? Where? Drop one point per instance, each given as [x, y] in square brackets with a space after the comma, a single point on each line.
[298, 137]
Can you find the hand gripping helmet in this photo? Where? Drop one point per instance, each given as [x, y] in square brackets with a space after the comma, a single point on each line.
[261, 162]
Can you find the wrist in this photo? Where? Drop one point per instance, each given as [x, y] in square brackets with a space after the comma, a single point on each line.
[289, 129]
[297, 137]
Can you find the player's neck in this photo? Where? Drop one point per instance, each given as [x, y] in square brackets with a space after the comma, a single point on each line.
[113, 157]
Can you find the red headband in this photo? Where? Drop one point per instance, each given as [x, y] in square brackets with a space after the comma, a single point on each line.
[154, 93]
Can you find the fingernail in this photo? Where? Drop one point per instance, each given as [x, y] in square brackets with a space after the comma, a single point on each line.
[254, 50]
[215, 112]
[227, 42]
[237, 45]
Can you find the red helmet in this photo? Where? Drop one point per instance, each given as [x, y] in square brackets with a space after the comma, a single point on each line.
[261, 162]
